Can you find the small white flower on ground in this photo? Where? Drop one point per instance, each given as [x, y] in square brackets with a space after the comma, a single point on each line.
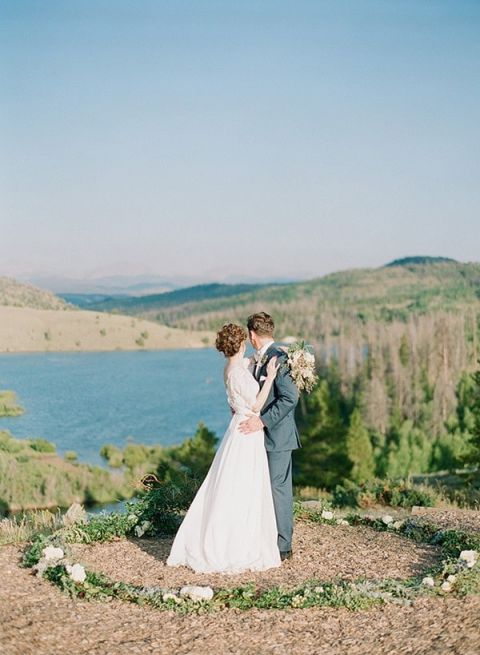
[446, 586]
[41, 567]
[170, 596]
[76, 572]
[132, 517]
[397, 524]
[141, 529]
[452, 579]
[297, 601]
[469, 557]
[197, 593]
[428, 581]
[50, 552]
[318, 590]
[387, 519]
[327, 514]
[342, 522]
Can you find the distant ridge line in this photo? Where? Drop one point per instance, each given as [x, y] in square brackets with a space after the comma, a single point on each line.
[420, 259]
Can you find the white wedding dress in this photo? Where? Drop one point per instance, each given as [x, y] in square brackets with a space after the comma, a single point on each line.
[230, 526]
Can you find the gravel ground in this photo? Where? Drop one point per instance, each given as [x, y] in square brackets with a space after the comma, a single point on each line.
[461, 519]
[320, 551]
[35, 618]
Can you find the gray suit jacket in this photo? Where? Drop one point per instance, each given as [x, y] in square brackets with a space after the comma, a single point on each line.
[278, 413]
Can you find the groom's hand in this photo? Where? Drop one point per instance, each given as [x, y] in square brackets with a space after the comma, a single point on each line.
[252, 424]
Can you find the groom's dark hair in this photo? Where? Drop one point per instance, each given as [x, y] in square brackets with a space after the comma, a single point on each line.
[262, 324]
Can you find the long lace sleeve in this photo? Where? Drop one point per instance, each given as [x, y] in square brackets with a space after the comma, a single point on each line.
[241, 390]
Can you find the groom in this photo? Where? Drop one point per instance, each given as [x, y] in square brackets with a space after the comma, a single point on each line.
[277, 418]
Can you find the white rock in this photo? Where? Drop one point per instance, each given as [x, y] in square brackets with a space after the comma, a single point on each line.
[446, 586]
[76, 572]
[469, 557]
[50, 552]
[342, 522]
[398, 524]
[452, 579]
[428, 581]
[387, 519]
[327, 514]
[197, 593]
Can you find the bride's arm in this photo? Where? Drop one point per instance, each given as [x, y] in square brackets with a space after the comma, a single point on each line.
[262, 395]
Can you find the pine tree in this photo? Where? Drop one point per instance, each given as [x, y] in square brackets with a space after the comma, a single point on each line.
[322, 460]
[359, 449]
[473, 456]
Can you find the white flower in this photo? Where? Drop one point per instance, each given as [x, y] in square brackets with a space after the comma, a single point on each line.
[41, 567]
[452, 579]
[297, 601]
[318, 590]
[132, 517]
[76, 572]
[50, 552]
[446, 586]
[428, 581]
[469, 557]
[387, 519]
[397, 524]
[327, 514]
[197, 593]
[342, 522]
[141, 529]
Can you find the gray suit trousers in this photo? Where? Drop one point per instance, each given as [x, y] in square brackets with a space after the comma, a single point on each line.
[280, 466]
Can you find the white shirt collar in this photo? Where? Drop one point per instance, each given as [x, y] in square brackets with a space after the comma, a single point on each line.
[260, 353]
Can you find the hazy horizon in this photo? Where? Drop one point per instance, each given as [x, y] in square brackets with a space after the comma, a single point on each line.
[207, 140]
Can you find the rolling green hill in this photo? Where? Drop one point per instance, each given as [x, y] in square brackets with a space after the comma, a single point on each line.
[188, 295]
[395, 292]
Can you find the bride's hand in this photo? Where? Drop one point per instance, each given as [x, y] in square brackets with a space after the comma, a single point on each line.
[272, 368]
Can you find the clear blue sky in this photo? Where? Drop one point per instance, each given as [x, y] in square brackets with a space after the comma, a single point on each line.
[215, 138]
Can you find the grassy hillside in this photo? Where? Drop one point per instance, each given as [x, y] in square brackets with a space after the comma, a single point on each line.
[394, 292]
[32, 475]
[38, 330]
[16, 294]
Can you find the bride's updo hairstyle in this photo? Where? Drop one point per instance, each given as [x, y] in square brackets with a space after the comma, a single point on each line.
[230, 338]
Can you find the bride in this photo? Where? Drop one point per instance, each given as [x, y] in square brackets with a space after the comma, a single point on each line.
[230, 525]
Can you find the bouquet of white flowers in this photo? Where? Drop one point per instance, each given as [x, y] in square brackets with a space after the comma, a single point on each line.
[301, 364]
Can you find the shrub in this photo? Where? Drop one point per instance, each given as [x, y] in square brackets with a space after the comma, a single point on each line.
[396, 493]
[42, 446]
[8, 444]
[164, 503]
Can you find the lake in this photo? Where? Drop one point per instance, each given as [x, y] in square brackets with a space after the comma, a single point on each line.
[80, 401]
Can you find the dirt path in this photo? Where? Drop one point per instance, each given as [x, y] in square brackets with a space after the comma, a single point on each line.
[38, 619]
